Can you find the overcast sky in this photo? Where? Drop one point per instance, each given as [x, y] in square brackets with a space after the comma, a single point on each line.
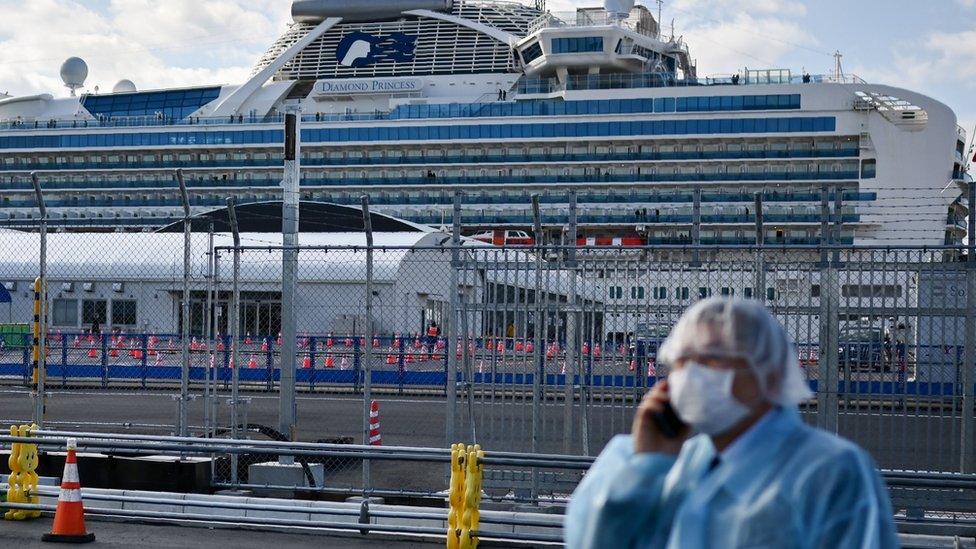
[928, 46]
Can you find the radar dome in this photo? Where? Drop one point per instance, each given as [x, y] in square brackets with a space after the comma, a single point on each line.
[124, 86]
[74, 72]
[621, 8]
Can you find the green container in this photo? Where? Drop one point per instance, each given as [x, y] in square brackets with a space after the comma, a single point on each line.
[13, 334]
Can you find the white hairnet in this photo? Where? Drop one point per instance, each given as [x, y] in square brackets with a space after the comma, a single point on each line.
[736, 328]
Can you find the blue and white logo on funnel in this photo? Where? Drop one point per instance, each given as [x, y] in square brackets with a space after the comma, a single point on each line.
[359, 49]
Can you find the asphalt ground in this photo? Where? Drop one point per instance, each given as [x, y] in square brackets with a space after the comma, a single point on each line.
[128, 534]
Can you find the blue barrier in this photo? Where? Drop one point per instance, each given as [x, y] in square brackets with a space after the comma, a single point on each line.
[399, 377]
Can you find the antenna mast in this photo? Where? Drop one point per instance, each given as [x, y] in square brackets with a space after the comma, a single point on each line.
[838, 66]
[660, 10]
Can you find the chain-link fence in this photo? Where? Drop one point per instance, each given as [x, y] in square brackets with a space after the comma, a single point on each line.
[543, 349]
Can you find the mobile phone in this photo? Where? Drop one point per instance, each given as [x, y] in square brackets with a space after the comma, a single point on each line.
[668, 422]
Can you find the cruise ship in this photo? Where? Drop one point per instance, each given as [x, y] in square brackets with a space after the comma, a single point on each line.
[412, 100]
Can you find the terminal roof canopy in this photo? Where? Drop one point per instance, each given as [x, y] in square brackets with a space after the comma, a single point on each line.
[313, 217]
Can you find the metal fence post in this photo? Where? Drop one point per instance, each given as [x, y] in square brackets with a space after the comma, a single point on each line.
[368, 352]
[538, 356]
[40, 393]
[969, 363]
[287, 405]
[572, 333]
[451, 330]
[208, 331]
[233, 327]
[827, 402]
[214, 407]
[185, 331]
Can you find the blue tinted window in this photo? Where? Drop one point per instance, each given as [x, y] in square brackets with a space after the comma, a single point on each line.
[532, 52]
[577, 45]
[173, 104]
[462, 131]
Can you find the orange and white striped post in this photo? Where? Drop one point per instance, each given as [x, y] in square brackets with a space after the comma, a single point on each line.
[69, 518]
[375, 438]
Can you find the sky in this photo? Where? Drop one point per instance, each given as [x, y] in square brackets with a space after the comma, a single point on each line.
[928, 46]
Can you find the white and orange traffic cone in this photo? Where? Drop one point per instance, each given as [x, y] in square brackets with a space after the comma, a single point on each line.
[253, 363]
[375, 438]
[69, 519]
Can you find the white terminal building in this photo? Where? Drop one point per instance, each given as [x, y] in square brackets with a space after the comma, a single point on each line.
[410, 100]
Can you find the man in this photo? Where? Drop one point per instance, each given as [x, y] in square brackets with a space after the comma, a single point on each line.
[754, 476]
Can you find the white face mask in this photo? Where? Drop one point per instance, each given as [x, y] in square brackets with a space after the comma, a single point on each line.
[702, 398]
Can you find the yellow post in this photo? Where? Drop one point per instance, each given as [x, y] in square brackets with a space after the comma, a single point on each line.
[455, 497]
[22, 484]
[13, 483]
[36, 332]
[31, 480]
[471, 519]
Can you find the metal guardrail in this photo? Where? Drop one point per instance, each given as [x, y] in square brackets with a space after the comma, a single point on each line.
[923, 500]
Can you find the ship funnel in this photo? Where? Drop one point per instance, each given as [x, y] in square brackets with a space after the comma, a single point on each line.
[316, 11]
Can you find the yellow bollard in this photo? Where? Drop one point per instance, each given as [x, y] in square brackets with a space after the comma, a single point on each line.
[31, 480]
[455, 497]
[22, 485]
[14, 483]
[471, 519]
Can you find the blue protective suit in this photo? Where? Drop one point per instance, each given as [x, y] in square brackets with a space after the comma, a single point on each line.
[791, 486]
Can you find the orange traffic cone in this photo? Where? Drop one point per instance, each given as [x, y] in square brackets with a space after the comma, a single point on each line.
[330, 361]
[307, 362]
[633, 365]
[253, 364]
[375, 438]
[92, 353]
[390, 359]
[69, 519]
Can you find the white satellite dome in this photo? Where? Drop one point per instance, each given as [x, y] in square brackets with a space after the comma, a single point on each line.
[74, 72]
[124, 86]
[619, 8]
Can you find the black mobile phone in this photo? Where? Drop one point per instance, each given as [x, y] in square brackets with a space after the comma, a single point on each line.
[668, 422]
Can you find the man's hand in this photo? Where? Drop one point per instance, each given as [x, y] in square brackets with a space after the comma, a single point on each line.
[647, 437]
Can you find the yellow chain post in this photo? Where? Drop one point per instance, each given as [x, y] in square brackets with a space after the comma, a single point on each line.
[472, 498]
[456, 497]
[13, 481]
[36, 333]
[31, 480]
[23, 480]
